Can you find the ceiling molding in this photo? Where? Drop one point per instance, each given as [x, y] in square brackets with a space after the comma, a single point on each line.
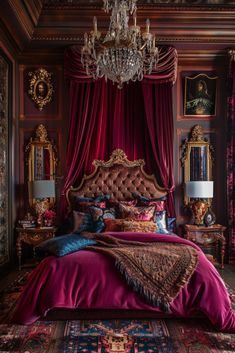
[58, 23]
[20, 17]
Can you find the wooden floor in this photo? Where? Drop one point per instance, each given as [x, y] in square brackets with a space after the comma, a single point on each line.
[228, 274]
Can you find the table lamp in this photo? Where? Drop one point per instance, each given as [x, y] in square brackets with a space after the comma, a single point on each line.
[200, 191]
[41, 191]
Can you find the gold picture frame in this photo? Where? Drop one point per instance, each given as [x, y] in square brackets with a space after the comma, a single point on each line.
[41, 158]
[196, 159]
[40, 87]
[200, 95]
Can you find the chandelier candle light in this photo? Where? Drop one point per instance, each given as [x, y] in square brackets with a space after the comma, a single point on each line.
[124, 53]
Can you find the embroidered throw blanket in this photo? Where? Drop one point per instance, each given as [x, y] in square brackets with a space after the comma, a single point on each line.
[156, 271]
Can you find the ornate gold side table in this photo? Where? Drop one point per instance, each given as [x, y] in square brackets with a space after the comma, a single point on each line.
[33, 237]
[208, 236]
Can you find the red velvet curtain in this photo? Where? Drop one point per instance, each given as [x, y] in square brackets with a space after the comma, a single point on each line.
[231, 158]
[137, 119]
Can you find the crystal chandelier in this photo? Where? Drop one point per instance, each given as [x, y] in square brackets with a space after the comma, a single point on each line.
[124, 53]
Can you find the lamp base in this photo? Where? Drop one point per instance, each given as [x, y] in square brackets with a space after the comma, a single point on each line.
[199, 209]
[40, 207]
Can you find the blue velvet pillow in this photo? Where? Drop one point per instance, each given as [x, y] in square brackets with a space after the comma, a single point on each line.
[64, 244]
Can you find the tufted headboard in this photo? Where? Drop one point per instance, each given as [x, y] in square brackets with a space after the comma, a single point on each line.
[119, 178]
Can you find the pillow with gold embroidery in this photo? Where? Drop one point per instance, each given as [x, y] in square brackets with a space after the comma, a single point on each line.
[139, 226]
[136, 213]
[123, 225]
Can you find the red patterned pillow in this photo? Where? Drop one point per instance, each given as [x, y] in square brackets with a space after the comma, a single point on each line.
[159, 205]
[137, 213]
[113, 225]
[115, 204]
[85, 205]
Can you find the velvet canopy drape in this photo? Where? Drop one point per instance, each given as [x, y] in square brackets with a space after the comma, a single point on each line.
[231, 157]
[137, 119]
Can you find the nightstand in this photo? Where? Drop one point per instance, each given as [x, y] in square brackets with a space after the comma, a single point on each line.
[33, 237]
[205, 237]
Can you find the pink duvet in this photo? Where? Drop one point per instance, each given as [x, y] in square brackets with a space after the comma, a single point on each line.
[86, 279]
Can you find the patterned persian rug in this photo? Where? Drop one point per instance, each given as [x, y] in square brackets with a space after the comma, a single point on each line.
[115, 336]
[108, 336]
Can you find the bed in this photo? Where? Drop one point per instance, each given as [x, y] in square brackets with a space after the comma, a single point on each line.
[87, 284]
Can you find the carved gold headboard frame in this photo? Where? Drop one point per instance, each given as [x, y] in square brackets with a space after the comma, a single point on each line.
[119, 178]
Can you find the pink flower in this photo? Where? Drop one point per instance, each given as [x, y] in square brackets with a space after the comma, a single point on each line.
[49, 214]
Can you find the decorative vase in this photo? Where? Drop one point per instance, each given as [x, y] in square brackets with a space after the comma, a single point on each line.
[48, 222]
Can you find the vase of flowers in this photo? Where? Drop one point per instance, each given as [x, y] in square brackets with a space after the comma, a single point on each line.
[49, 218]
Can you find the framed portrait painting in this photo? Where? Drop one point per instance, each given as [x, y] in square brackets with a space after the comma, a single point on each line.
[200, 95]
[40, 87]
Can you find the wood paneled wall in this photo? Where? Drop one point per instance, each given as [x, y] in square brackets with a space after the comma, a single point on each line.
[55, 118]
[211, 63]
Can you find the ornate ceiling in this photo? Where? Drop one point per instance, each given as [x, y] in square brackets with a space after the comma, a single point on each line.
[182, 2]
[54, 24]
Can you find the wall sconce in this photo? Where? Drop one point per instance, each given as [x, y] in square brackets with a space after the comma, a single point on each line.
[41, 191]
[200, 191]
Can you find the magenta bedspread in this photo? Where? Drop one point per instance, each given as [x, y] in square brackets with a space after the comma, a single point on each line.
[89, 280]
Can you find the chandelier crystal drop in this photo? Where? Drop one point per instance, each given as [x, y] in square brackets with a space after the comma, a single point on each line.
[124, 53]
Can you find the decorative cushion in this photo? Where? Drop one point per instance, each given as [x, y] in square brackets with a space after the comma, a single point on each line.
[158, 203]
[171, 224]
[161, 223]
[137, 213]
[84, 206]
[99, 215]
[92, 199]
[115, 204]
[82, 222]
[122, 225]
[83, 203]
[139, 226]
[113, 225]
[64, 245]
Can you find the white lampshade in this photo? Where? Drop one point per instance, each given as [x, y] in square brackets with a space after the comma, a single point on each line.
[40, 189]
[199, 189]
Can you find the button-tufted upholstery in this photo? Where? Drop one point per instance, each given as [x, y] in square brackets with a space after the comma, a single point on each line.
[119, 181]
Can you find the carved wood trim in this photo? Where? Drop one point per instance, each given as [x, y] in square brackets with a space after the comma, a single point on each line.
[4, 162]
